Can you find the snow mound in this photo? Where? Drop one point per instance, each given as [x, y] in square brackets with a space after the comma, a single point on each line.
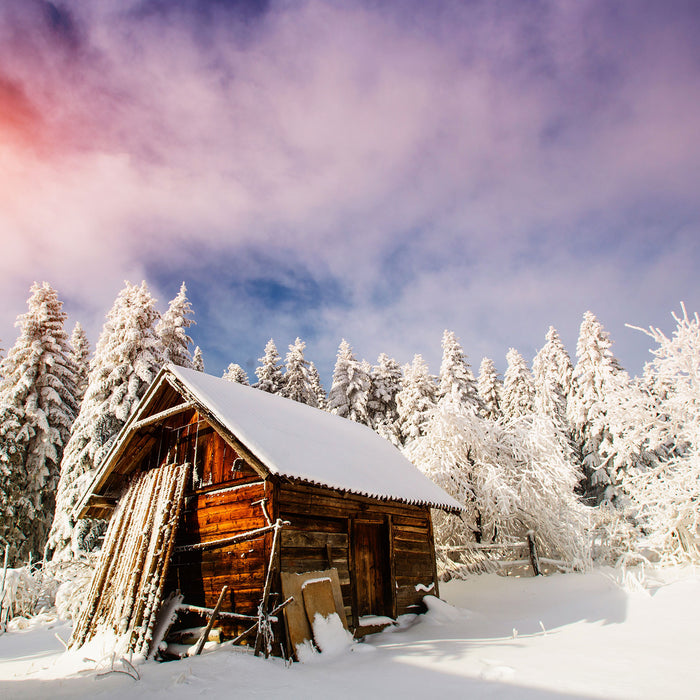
[332, 640]
[440, 611]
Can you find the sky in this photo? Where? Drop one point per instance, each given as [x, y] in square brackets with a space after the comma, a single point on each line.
[378, 171]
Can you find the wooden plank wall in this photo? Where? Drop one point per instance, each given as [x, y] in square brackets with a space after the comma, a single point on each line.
[220, 504]
[320, 519]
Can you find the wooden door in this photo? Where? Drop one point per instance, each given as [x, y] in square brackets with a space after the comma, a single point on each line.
[372, 568]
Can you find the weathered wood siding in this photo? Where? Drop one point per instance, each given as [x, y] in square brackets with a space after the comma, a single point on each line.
[223, 501]
[320, 534]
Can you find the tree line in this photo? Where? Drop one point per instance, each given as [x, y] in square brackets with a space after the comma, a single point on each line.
[600, 465]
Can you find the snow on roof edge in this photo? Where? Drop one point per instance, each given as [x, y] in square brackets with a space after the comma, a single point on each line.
[371, 464]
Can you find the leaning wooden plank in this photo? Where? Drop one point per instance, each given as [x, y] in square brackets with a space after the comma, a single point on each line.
[318, 598]
[210, 624]
[298, 628]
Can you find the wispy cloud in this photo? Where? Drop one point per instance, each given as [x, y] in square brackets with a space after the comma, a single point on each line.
[487, 167]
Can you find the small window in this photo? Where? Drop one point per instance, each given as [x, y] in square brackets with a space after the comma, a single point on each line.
[239, 466]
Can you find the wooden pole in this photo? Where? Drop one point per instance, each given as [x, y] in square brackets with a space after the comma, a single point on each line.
[254, 627]
[224, 541]
[2, 588]
[534, 561]
[262, 610]
[210, 624]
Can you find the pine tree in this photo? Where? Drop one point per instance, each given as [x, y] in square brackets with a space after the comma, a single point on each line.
[348, 395]
[297, 385]
[490, 389]
[319, 391]
[38, 404]
[269, 373]
[80, 354]
[416, 399]
[601, 389]
[553, 376]
[456, 377]
[171, 330]
[385, 384]
[198, 360]
[127, 358]
[518, 387]
[235, 373]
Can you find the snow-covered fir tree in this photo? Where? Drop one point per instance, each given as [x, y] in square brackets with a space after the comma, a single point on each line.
[236, 373]
[81, 356]
[350, 388]
[416, 399]
[127, 359]
[385, 383]
[171, 329]
[518, 398]
[38, 404]
[601, 389]
[553, 376]
[490, 389]
[317, 386]
[197, 360]
[269, 373]
[297, 385]
[456, 377]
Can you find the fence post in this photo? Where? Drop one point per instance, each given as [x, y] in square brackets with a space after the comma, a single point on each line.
[533, 553]
[2, 589]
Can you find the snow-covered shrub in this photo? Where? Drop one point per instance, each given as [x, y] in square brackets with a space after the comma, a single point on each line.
[33, 590]
[513, 476]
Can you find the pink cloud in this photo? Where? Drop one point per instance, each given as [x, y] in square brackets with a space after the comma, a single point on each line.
[338, 132]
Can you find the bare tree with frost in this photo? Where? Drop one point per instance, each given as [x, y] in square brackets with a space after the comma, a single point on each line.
[38, 404]
[127, 358]
[172, 330]
[666, 495]
[512, 476]
[269, 373]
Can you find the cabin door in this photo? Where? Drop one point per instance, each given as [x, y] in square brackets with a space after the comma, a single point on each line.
[372, 568]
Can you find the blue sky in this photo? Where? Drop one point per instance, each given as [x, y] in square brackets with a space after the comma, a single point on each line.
[374, 171]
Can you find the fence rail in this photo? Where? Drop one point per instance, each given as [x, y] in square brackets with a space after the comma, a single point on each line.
[527, 544]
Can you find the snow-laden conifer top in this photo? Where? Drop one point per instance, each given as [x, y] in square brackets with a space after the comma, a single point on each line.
[300, 442]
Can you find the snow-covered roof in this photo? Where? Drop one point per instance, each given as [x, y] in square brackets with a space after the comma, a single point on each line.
[299, 442]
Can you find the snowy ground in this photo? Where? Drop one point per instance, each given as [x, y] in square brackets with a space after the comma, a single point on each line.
[563, 636]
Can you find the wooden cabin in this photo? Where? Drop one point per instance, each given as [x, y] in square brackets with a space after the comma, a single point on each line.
[214, 484]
